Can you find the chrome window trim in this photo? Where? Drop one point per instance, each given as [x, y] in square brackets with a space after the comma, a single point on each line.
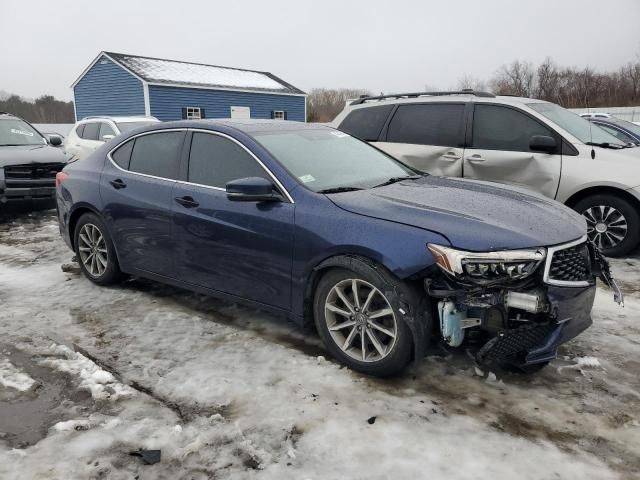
[201, 130]
[547, 267]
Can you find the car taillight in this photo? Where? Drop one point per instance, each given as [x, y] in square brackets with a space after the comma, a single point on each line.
[60, 177]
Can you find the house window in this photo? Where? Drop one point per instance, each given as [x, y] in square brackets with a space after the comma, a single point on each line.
[278, 115]
[194, 113]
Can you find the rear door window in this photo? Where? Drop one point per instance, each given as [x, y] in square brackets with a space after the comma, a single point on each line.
[157, 154]
[215, 160]
[438, 124]
[366, 123]
[91, 131]
[504, 128]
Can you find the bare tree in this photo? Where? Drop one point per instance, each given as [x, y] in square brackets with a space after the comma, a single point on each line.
[324, 104]
[517, 78]
[470, 82]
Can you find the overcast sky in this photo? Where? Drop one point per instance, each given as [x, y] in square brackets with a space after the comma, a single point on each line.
[381, 45]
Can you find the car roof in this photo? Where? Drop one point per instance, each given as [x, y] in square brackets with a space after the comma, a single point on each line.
[248, 126]
[446, 98]
[131, 118]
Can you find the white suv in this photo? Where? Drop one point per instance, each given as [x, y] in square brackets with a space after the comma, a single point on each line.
[518, 141]
[91, 132]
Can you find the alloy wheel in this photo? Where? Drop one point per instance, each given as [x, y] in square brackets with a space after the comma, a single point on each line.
[360, 320]
[606, 226]
[92, 249]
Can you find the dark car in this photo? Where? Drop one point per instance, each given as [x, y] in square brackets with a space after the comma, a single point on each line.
[312, 223]
[624, 131]
[28, 164]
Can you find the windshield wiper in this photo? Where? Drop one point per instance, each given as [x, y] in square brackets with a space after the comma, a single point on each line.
[398, 179]
[340, 189]
[615, 146]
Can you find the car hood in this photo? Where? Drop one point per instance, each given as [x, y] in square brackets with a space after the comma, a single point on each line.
[473, 215]
[26, 154]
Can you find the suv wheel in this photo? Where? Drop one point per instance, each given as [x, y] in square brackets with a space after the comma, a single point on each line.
[612, 223]
[359, 324]
[95, 251]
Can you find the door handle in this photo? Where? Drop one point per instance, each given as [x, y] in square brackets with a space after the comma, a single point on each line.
[451, 156]
[118, 184]
[187, 202]
[476, 158]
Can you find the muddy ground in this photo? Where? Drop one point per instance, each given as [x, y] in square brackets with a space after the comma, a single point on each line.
[91, 376]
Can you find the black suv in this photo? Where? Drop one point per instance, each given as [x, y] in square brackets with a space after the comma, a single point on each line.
[28, 164]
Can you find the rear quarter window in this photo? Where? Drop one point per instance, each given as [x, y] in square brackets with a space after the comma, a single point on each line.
[122, 155]
[366, 123]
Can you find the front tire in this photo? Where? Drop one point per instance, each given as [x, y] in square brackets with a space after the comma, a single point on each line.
[95, 252]
[358, 319]
[613, 223]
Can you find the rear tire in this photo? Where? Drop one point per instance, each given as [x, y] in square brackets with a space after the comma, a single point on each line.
[375, 339]
[95, 252]
[613, 223]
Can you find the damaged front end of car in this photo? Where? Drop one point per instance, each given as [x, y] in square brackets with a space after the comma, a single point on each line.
[519, 305]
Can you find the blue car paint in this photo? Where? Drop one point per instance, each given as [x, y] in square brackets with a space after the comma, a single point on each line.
[265, 254]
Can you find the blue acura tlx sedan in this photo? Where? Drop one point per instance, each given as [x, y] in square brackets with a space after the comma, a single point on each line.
[309, 222]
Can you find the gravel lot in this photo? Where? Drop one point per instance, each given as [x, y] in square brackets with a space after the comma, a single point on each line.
[90, 376]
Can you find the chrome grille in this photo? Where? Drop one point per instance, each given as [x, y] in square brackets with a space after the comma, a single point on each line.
[31, 176]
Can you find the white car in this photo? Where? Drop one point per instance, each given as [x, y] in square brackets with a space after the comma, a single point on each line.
[91, 132]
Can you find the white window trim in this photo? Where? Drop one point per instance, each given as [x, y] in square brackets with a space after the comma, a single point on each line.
[194, 113]
[278, 114]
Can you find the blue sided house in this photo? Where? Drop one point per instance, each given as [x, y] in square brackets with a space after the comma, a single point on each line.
[116, 84]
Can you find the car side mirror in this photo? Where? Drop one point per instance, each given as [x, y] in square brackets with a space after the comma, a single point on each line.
[252, 189]
[106, 138]
[54, 140]
[543, 143]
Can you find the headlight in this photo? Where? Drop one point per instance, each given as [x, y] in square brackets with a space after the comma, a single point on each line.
[489, 266]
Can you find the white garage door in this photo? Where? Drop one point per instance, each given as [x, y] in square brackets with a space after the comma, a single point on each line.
[241, 112]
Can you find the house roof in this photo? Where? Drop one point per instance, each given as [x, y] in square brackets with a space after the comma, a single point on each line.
[173, 72]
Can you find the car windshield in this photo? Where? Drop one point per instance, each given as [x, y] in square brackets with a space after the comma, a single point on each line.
[128, 126]
[15, 132]
[577, 126]
[632, 127]
[329, 159]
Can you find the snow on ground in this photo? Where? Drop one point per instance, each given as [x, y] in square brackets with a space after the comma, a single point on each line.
[10, 377]
[229, 392]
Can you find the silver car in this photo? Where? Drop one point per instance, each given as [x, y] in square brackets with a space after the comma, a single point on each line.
[518, 141]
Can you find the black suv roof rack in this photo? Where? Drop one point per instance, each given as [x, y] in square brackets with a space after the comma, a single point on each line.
[469, 91]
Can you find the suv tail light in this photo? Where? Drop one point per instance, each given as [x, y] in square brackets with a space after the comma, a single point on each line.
[60, 177]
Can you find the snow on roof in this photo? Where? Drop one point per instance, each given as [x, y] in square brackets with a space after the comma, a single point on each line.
[157, 70]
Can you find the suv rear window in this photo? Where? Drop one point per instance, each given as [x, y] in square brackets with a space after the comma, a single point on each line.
[428, 124]
[157, 154]
[366, 123]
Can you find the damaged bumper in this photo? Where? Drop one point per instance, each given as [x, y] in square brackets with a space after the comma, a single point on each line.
[524, 319]
[538, 343]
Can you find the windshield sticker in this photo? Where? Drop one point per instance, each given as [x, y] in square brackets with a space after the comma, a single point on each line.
[307, 178]
[339, 134]
[21, 132]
